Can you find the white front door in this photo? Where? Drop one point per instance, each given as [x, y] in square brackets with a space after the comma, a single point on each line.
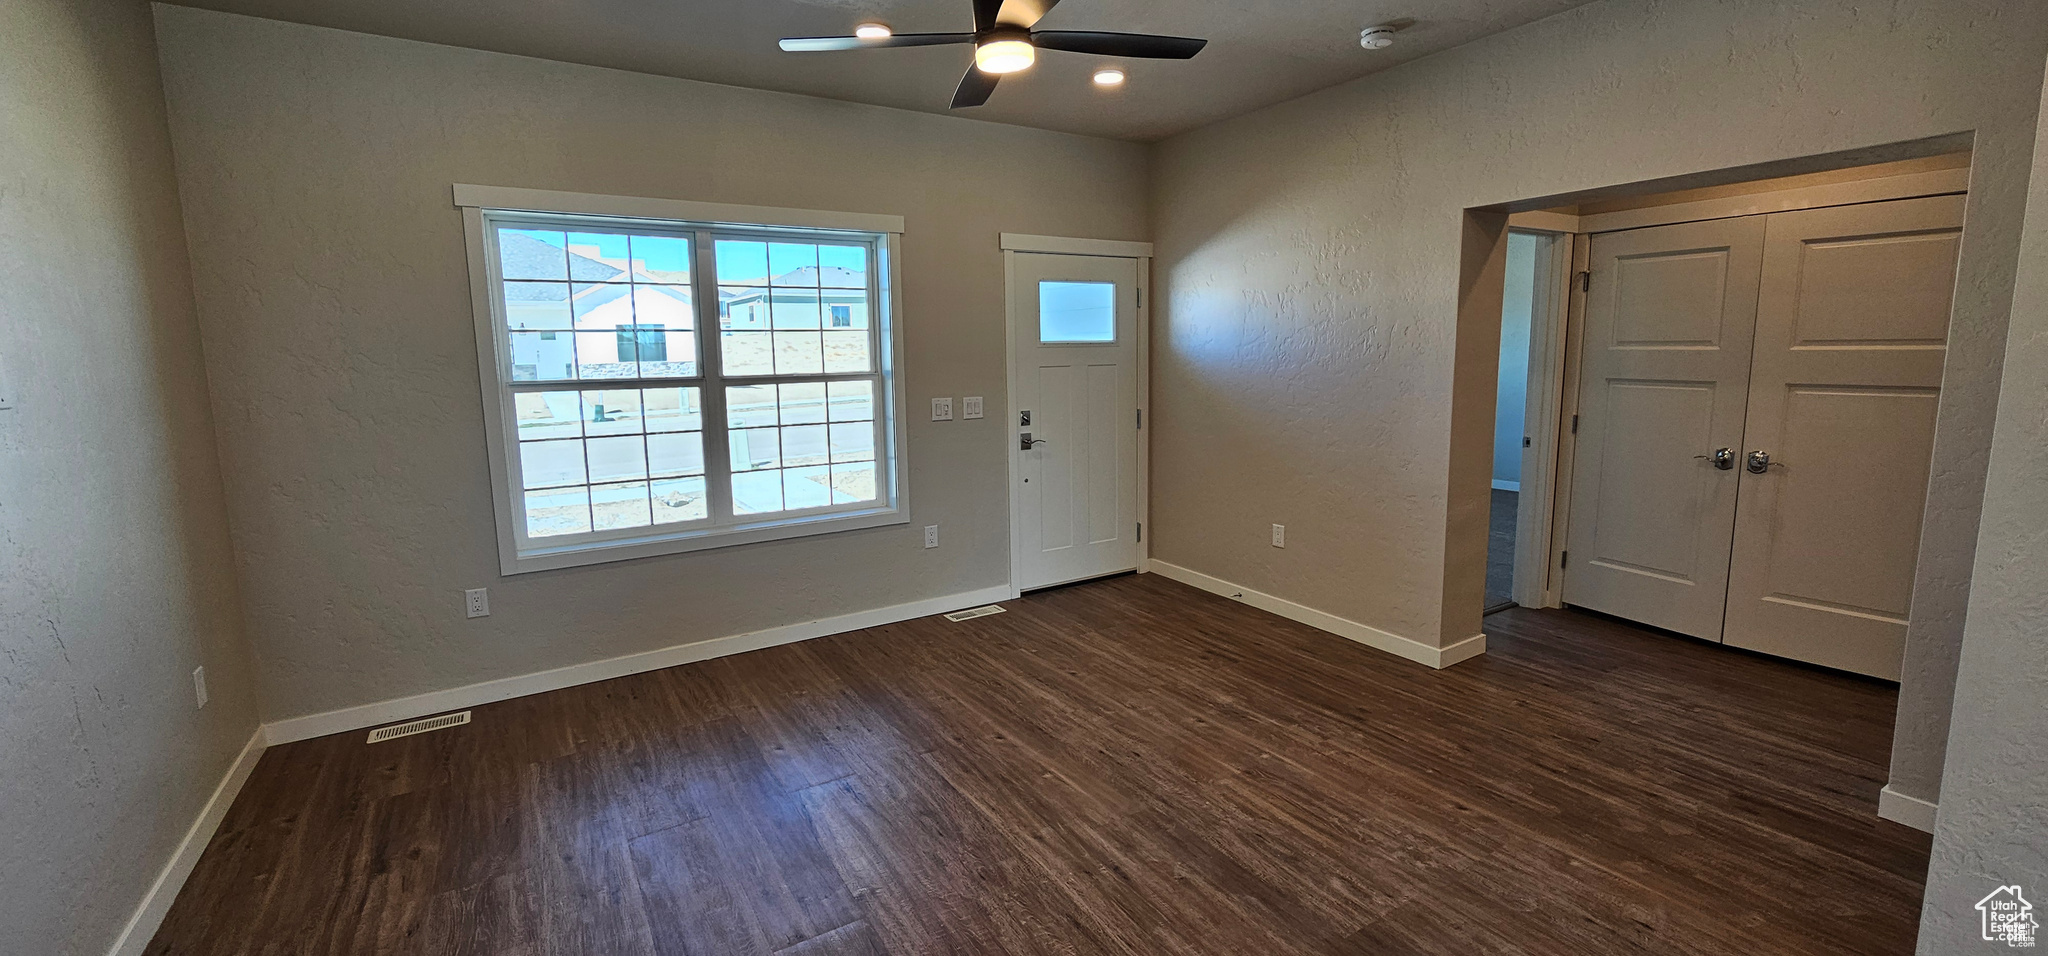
[1074, 422]
[1670, 316]
[1851, 331]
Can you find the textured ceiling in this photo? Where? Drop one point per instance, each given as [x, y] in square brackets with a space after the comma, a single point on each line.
[1259, 52]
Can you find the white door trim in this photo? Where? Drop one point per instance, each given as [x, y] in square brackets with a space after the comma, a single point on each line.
[1564, 457]
[1008, 433]
[1112, 248]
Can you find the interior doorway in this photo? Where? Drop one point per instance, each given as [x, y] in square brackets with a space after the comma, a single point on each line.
[1807, 312]
[1533, 309]
[1510, 418]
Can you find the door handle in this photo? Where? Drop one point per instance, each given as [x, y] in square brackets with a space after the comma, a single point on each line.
[1723, 458]
[1025, 441]
[1760, 462]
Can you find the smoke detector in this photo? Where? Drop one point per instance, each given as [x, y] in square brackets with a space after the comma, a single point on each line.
[1376, 38]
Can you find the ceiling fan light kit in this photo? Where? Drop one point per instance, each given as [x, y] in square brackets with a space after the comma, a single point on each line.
[1005, 43]
[1004, 55]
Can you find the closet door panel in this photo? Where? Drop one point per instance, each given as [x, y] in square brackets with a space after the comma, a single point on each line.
[1670, 315]
[1851, 331]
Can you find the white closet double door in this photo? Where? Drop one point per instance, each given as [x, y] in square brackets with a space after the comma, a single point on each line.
[1756, 426]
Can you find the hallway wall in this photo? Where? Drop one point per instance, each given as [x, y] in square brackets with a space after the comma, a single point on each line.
[115, 574]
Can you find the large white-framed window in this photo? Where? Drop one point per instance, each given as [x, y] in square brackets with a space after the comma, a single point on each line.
[661, 376]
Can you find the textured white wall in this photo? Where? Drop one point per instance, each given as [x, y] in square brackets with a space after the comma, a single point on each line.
[1309, 273]
[115, 577]
[315, 168]
[1993, 825]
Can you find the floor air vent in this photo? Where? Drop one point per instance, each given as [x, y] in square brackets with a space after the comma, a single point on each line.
[974, 612]
[420, 726]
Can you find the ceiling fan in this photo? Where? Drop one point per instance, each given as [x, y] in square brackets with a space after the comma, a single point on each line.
[1005, 43]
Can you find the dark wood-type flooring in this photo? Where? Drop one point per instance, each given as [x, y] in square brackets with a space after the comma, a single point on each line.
[1500, 549]
[1127, 766]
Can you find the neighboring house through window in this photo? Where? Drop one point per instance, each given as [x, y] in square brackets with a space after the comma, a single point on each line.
[668, 385]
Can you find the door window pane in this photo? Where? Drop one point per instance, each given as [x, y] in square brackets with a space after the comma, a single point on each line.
[1076, 311]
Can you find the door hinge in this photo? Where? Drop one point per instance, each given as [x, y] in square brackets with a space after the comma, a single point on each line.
[1141, 418]
[1575, 424]
[1586, 280]
[1141, 531]
[1564, 558]
[1525, 441]
[1141, 298]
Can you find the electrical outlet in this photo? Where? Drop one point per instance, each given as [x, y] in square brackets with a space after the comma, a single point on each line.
[199, 685]
[931, 536]
[942, 409]
[477, 602]
[970, 407]
[1279, 536]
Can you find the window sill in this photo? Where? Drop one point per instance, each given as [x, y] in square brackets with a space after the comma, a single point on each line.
[626, 549]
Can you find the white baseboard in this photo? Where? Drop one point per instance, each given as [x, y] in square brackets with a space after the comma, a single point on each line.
[441, 701]
[1414, 650]
[143, 925]
[1502, 484]
[1900, 808]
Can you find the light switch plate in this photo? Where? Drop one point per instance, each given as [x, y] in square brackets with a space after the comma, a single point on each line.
[942, 409]
[970, 407]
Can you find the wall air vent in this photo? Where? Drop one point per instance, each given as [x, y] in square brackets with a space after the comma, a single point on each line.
[419, 726]
[974, 612]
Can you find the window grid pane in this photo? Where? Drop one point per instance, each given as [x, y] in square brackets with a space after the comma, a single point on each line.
[587, 457]
[605, 304]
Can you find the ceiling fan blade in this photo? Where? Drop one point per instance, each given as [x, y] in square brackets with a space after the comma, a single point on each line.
[1024, 13]
[974, 88]
[1118, 44]
[985, 14]
[824, 44]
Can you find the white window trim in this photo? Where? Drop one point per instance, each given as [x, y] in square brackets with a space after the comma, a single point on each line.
[892, 480]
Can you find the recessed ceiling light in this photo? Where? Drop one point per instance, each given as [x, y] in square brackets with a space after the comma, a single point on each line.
[873, 31]
[1005, 56]
[1109, 77]
[1376, 38]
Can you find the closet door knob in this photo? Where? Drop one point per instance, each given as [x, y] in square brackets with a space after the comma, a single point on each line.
[1759, 462]
[1723, 458]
